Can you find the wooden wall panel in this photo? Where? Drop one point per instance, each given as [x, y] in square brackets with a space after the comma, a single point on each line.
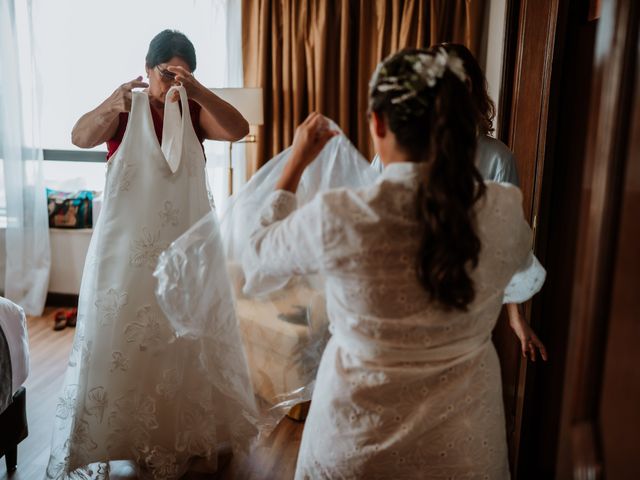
[558, 235]
[619, 408]
[530, 37]
[581, 437]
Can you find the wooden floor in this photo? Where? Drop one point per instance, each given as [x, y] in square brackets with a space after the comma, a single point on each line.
[274, 459]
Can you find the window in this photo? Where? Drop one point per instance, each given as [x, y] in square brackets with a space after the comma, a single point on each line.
[85, 49]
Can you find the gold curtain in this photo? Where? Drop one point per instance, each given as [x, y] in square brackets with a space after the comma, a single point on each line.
[318, 55]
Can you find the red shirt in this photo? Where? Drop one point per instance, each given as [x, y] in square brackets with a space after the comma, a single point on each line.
[114, 143]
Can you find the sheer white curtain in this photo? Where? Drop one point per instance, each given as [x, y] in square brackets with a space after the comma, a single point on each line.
[218, 152]
[27, 230]
[234, 78]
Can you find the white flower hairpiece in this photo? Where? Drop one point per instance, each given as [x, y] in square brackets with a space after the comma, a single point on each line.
[428, 69]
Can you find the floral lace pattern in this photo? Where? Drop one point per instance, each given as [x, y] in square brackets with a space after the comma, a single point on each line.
[147, 331]
[123, 180]
[146, 249]
[109, 305]
[169, 215]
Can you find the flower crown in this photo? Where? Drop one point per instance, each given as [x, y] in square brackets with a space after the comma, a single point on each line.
[427, 69]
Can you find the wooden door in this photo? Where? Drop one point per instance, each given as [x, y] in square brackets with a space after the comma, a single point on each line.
[526, 100]
[600, 415]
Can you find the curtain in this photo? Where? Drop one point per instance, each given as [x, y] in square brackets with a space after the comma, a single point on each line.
[228, 61]
[27, 231]
[320, 54]
[234, 78]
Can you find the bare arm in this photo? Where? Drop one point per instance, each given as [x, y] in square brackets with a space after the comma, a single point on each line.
[101, 123]
[529, 341]
[219, 120]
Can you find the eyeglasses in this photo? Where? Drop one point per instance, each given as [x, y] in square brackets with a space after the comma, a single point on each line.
[165, 74]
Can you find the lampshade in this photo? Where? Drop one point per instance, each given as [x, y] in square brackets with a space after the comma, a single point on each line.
[248, 101]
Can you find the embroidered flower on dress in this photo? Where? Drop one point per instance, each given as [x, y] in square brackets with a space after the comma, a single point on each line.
[138, 409]
[196, 435]
[122, 182]
[76, 349]
[81, 436]
[170, 384]
[97, 403]
[146, 249]
[162, 463]
[147, 331]
[119, 361]
[169, 215]
[66, 403]
[110, 304]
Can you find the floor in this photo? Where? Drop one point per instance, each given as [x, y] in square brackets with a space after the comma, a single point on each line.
[273, 459]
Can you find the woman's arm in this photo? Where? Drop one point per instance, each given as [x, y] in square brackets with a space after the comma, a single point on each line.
[529, 341]
[100, 124]
[289, 241]
[310, 138]
[219, 120]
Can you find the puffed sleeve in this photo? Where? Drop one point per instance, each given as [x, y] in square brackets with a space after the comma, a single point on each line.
[530, 274]
[526, 282]
[507, 171]
[288, 242]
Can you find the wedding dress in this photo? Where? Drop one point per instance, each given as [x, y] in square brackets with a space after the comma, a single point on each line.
[133, 391]
[284, 332]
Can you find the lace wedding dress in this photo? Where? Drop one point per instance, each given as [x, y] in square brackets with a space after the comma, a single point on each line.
[133, 391]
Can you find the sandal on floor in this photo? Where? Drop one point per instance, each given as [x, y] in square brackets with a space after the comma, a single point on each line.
[60, 320]
[72, 316]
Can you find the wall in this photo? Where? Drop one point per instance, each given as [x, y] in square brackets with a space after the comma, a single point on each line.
[493, 56]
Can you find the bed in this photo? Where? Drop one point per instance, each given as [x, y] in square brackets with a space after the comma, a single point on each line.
[14, 369]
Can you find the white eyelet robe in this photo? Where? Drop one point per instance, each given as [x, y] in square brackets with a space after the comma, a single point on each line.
[404, 388]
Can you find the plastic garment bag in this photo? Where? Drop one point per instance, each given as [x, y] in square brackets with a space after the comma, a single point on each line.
[284, 332]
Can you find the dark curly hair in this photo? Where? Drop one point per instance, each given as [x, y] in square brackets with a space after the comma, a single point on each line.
[168, 44]
[477, 84]
[437, 125]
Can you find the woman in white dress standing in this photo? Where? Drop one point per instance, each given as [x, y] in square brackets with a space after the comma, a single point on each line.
[132, 391]
[416, 270]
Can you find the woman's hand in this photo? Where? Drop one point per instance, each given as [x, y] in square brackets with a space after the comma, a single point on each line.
[101, 123]
[310, 138]
[120, 100]
[185, 78]
[219, 120]
[529, 341]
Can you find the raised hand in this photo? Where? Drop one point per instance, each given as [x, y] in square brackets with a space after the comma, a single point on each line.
[187, 80]
[310, 138]
[120, 100]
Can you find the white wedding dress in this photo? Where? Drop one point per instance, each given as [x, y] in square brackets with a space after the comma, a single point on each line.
[133, 391]
[284, 333]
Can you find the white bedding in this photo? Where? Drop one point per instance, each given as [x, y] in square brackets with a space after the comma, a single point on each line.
[14, 325]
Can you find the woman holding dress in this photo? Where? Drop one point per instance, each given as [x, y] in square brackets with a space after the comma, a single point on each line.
[416, 270]
[132, 391]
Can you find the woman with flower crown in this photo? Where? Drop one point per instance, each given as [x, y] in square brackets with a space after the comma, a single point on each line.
[417, 268]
